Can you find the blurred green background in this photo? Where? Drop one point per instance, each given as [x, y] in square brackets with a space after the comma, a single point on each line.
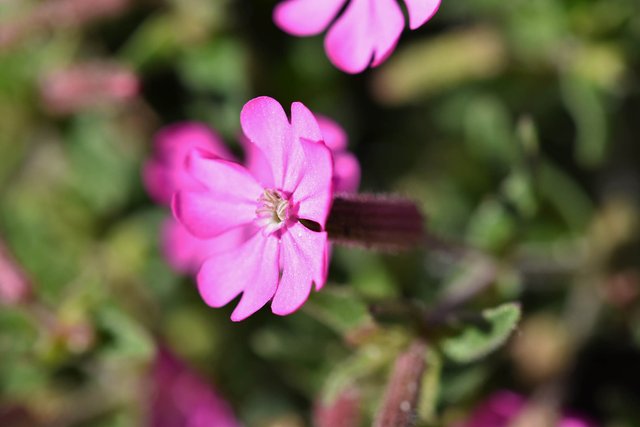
[515, 126]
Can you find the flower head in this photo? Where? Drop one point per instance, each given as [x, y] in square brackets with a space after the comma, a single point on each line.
[366, 33]
[270, 201]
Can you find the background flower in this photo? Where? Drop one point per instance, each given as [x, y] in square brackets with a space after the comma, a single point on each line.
[366, 33]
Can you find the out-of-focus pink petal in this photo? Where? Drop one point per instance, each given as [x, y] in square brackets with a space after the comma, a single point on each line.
[222, 277]
[185, 252]
[332, 133]
[346, 173]
[181, 398]
[173, 143]
[420, 11]
[369, 29]
[388, 23]
[165, 172]
[158, 180]
[303, 256]
[306, 17]
[315, 190]
[265, 124]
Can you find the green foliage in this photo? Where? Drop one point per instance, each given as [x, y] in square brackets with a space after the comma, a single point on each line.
[491, 331]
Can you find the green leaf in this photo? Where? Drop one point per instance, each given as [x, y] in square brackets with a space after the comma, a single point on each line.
[339, 309]
[491, 227]
[128, 339]
[476, 342]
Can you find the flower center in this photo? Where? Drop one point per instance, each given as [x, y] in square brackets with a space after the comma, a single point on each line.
[272, 211]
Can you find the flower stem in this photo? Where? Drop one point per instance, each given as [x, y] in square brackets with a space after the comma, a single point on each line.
[375, 222]
[398, 408]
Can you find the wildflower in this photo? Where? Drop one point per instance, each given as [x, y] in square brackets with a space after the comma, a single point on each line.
[281, 257]
[183, 399]
[366, 33]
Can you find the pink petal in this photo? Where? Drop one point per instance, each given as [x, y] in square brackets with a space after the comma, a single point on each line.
[265, 124]
[260, 289]
[173, 143]
[315, 190]
[257, 164]
[222, 176]
[252, 265]
[346, 173]
[305, 127]
[305, 124]
[303, 259]
[420, 11]
[207, 215]
[333, 135]
[368, 29]
[159, 181]
[185, 252]
[306, 17]
[228, 201]
[164, 173]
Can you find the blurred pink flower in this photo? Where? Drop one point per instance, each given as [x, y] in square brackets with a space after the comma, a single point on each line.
[165, 173]
[346, 168]
[281, 258]
[366, 33]
[501, 409]
[182, 399]
[87, 85]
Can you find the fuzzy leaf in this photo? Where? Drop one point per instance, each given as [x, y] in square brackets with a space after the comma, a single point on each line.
[476, 342]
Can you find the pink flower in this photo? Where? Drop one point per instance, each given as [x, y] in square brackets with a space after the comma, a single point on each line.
[366, 33]
[164, 173]
[270, 202]
[181, 399]
[501, 409]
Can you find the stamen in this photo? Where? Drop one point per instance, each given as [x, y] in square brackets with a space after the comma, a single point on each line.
[272, 211]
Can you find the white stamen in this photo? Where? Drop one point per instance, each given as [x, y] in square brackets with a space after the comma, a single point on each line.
[272, 211]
